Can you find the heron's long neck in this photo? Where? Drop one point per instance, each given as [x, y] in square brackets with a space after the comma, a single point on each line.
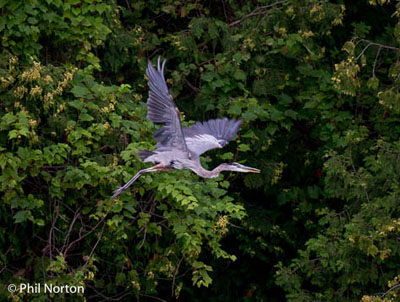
[208, 174]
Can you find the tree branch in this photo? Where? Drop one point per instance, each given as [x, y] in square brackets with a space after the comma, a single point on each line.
[370, 43]
[262, 10]
[173, 279]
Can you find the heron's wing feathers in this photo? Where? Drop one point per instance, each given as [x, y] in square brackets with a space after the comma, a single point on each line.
[204, 136]
[161, 109]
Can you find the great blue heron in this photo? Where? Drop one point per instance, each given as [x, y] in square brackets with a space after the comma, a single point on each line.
[179, 148]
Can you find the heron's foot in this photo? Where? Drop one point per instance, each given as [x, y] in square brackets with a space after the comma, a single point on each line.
[117, 192]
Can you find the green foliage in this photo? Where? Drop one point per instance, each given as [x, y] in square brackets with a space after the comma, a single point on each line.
[355, 252]
[361, 235]
[73, 27]
[58, 129]
[319, 97]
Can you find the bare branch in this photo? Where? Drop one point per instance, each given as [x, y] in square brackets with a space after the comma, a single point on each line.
[262, 10]
[67, 237]
[362, 52]
[376, 59]
[378, 44]
[382, 295]
[81, 237]
[370, 43]
[173, 279]
[144, 237]
[153, 297]
[94, 247]
[194, 88]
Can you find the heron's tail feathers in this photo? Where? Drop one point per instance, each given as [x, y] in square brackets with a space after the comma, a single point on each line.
[143, 154]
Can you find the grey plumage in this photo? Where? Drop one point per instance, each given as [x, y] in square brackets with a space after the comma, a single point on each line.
[143, 154]
[179, 148]
[204, 136]
[161, 109]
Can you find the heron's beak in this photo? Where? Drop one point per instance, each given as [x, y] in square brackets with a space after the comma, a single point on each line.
[252, 170]
[249, 169]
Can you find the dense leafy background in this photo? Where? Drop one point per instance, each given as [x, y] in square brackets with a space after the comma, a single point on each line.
[317, 85]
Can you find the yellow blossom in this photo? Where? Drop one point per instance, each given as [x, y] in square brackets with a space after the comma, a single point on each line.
[48, 79]
[32, 74]
[105, 109]
[48, 98]
[7, 81]
[290, 10]
[33, 123]
[20, 91]
[136, 285]
[137, 97]
[282, 31]
[221, 224]
[249, 43]
[115, 161]
[35, 91]
[90, 275]
[13, 60]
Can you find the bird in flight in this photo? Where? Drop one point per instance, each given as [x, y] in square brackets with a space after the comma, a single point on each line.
[177, 147]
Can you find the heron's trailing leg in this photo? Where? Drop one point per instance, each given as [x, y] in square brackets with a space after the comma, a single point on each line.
[118, 191]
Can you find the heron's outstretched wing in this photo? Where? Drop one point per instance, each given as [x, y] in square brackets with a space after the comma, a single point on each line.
[204, 136]
[161, 109]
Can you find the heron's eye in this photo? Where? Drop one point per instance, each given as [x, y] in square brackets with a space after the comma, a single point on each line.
[222, 143]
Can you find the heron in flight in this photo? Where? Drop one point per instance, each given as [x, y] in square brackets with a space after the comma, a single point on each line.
[177, 147]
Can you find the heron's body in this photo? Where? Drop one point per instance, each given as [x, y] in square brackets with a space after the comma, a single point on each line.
[177, 160]
[177, 147]
[163, 157]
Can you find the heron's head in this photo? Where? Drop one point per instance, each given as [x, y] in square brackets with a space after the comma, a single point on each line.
[222, 143]
[236, 167]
